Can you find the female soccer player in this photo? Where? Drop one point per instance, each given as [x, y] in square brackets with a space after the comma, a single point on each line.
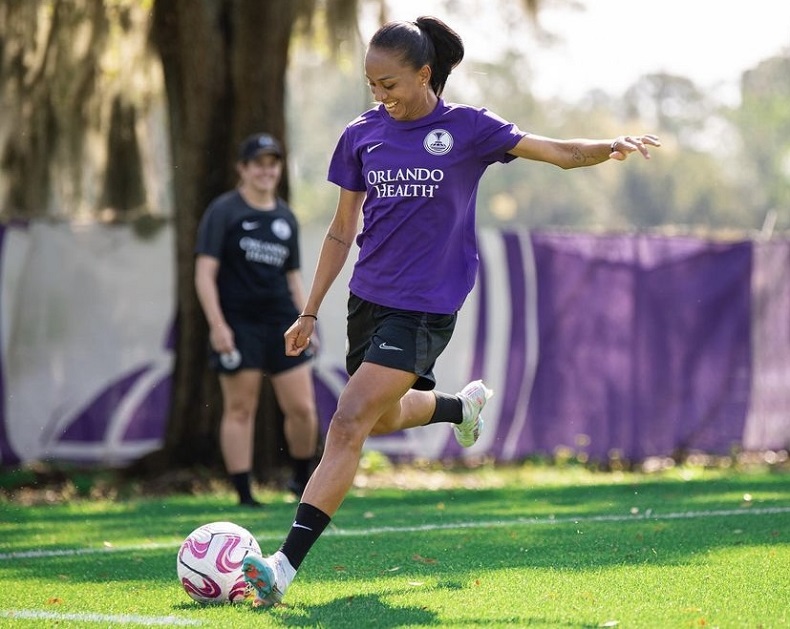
[249, 284]
[412, 166]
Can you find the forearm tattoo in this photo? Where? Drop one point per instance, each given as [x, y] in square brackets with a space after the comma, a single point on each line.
[579, 156]
[331, 236]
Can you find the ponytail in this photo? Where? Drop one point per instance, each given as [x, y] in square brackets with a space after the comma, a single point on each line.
[448, 50]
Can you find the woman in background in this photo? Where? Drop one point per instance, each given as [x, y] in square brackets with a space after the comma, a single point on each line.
[250, 287]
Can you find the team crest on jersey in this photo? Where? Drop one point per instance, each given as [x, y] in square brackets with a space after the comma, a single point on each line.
[438, 142]
[281, 229]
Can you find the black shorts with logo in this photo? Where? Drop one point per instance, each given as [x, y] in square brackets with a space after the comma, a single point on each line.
[261, 346]
[401, 339]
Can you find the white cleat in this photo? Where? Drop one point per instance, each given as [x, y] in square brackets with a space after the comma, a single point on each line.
[266, 577]
[473, 398]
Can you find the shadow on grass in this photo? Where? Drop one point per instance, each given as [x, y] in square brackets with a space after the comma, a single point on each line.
[542, 501]
[373, 610]
[46, 526]
[346, 611]
[352, 612]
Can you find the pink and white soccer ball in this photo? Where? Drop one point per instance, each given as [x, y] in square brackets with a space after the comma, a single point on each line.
[209, 562]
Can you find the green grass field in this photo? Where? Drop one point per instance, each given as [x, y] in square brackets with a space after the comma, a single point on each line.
[525, 547]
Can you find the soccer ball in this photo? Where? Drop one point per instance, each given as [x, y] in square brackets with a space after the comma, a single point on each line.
[209, 562]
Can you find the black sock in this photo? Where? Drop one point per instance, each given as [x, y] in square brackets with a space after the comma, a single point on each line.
[308, 525]
[448, 409]
[241, 482]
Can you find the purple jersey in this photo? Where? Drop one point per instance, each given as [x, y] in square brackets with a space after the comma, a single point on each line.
[417, 247]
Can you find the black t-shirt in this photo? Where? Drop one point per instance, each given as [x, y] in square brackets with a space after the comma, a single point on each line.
[255, 249]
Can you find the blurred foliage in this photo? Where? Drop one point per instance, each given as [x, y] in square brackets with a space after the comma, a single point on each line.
[763, 122]
[82, 111]
[721, 168]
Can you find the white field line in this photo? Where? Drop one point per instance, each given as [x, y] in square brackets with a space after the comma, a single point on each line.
[112, 619]
[647, 516]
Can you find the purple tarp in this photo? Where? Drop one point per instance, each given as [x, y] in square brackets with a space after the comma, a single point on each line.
[607, 345]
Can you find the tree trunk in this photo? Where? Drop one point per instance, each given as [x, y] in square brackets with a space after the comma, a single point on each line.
[78, 83]
[224, 65]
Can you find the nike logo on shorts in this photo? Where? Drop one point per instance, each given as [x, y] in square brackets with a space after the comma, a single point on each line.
[391, 347]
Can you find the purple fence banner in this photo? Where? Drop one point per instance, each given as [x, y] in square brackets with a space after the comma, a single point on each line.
[604, 346]
[644, 346]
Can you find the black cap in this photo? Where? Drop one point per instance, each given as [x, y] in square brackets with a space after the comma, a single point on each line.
[259, 144]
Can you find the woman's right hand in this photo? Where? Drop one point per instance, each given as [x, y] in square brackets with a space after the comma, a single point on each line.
[297, 337]
[221, 338]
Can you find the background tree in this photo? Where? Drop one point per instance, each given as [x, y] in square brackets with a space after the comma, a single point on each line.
[224, 64]
[764, 120]
[81, 97]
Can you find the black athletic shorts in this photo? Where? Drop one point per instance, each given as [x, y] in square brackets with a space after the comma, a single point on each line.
[401, 339]
[261, 346]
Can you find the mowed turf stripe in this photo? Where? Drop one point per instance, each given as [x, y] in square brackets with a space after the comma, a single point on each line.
[648, 516]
